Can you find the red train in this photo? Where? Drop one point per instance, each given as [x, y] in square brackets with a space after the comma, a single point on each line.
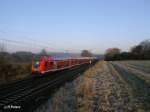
[49, 64]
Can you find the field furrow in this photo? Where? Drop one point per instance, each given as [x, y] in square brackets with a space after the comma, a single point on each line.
[113, 93]
[139, 66]
[140, 88]
[138, 72]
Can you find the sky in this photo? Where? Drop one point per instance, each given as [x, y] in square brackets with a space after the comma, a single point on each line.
[73, 25]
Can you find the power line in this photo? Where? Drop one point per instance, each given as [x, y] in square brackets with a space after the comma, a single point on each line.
[16, 43]
[41, 43]
[36, 42]
[44, 44]
[29, 45]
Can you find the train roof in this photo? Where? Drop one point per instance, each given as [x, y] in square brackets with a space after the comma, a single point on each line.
[63, 57]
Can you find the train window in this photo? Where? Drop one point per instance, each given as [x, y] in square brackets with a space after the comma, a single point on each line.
[36, 64]
[46, 63]
[51, 63]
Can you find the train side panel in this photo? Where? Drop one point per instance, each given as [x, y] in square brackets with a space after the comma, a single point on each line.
[47, 64]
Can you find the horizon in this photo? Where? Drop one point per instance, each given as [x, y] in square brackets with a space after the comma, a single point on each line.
[72, 26]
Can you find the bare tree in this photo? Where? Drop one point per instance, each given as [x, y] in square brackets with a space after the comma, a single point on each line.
[2, 47]
[141, 51]
[43, 52]
[136, 49]
[111, 53]
[86, 53]
[145, 45]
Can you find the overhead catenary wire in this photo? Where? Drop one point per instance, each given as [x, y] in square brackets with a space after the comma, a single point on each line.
[16, 44]
[42, 42]
[32, 42]
[48, 45]
[36, 43]
[28, 45]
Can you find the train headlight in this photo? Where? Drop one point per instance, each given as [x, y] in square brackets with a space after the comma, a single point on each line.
[37, 63]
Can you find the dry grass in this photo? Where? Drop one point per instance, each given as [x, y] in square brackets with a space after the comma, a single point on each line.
[64, 100]
[85, 89]
[12, 71]
[84, 95]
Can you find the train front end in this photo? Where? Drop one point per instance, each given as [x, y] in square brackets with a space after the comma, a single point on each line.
[36, 66]
[42, 65]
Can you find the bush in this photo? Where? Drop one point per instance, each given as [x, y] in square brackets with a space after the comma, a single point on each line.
[13, 71]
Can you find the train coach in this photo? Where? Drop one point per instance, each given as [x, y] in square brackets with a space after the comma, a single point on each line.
[47, 64]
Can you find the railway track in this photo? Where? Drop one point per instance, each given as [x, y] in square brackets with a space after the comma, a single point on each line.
[25, 93]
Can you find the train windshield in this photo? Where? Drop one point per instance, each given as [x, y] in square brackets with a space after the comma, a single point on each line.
[36, 64]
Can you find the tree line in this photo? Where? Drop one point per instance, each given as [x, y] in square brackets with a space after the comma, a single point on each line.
[137, 52]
